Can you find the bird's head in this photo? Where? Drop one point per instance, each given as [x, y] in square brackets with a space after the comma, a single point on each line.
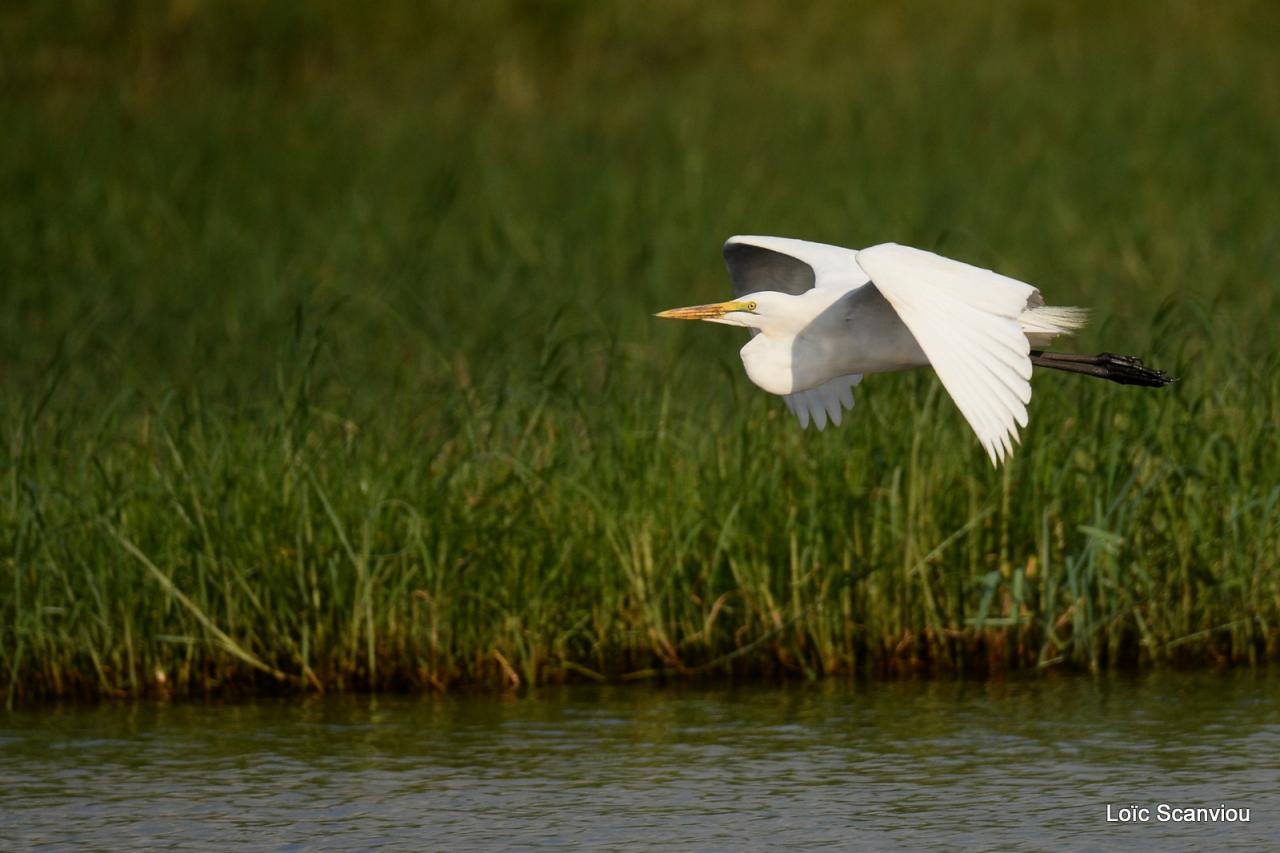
[770, 312]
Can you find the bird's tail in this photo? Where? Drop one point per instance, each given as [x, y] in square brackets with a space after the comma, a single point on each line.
[1042, 323]
[1124, 369]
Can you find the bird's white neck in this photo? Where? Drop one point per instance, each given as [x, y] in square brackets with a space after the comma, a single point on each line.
[806, 311]
[775, 357]
[767, 359]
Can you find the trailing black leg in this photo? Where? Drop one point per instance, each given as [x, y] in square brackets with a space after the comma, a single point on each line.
[1124, 369]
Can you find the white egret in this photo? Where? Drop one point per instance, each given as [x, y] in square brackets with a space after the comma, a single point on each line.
[823, 316]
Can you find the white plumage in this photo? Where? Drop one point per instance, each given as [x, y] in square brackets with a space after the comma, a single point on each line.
[823, 316]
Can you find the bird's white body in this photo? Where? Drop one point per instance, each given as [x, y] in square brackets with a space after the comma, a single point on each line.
[823, 316]
[853, 331]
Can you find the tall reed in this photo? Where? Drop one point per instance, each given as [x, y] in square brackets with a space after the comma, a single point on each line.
[326, 359]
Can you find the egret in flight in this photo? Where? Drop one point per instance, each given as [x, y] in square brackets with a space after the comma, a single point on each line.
[822, 316]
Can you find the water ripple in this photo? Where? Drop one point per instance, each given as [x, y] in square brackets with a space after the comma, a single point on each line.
[831, 766]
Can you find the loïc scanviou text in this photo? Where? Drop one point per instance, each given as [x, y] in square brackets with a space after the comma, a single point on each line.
[1168, 813]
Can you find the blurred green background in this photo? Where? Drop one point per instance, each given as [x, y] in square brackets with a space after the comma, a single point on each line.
[326, 347]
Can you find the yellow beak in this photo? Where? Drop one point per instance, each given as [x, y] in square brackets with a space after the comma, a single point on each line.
[703, 312]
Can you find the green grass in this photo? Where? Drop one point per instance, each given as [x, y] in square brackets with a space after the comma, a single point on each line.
[326, 357]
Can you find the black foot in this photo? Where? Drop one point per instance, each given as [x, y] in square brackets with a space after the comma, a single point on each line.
[1125, 369]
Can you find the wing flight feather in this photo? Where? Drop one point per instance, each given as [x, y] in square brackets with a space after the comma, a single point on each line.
[788, 265]
[826, 402]
[966, 320]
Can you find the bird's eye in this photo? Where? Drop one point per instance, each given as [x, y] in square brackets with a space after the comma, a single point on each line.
[751, 306]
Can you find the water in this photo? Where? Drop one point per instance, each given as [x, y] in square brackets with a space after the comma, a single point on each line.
[1021, 765]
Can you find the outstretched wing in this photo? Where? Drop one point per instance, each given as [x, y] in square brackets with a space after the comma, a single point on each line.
[965, 319]
[787, 265]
